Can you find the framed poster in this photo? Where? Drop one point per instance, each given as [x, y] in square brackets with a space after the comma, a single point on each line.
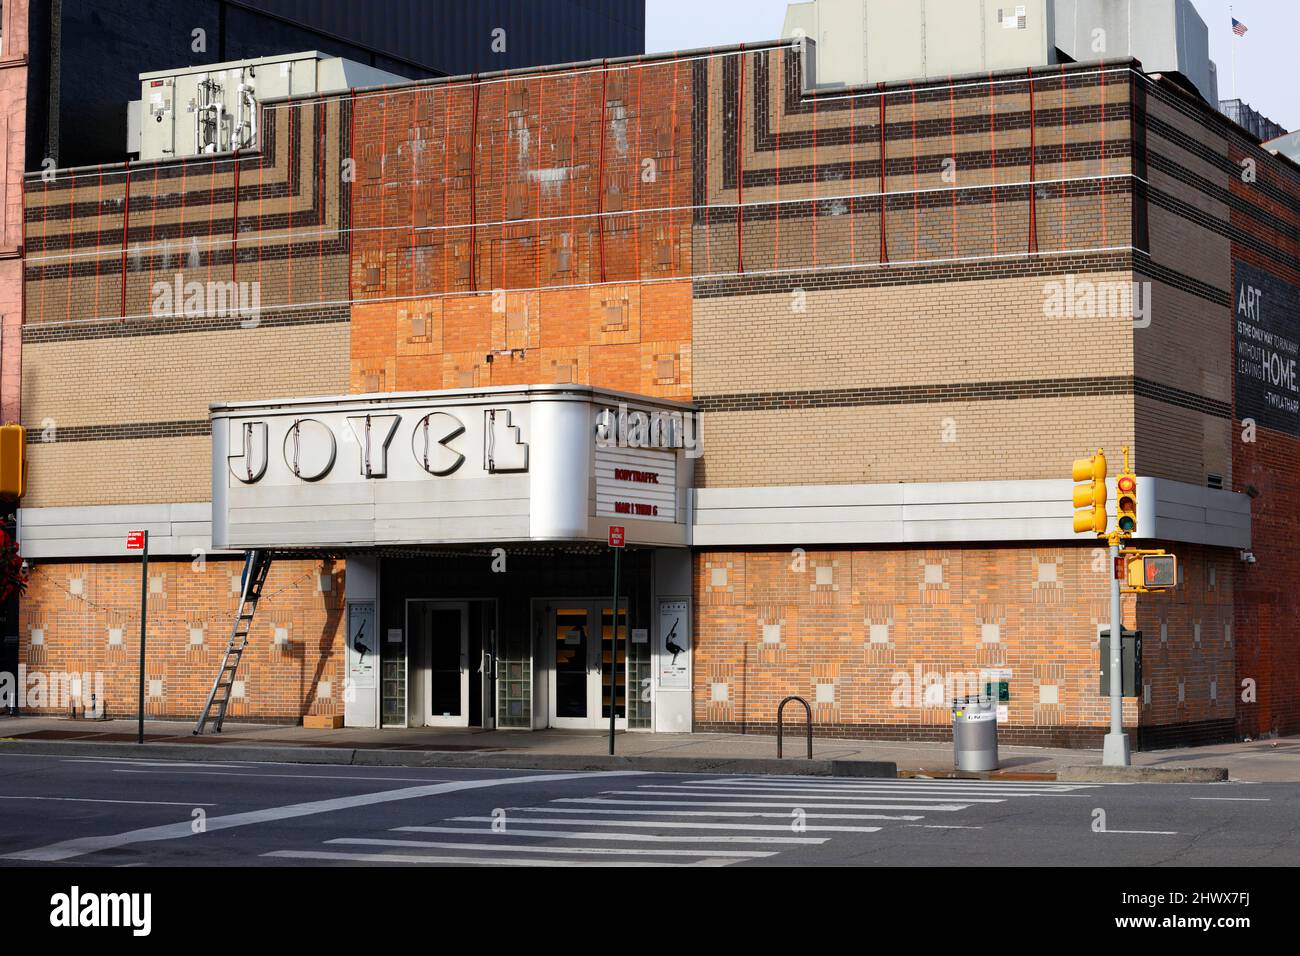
[363, 645]
[674, 644]
[1267, 350]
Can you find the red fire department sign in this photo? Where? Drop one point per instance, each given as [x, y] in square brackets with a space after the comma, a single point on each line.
[615, 536]
[135, 541]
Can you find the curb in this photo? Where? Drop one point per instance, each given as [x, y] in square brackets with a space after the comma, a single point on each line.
[501, 760]
[1142, 774]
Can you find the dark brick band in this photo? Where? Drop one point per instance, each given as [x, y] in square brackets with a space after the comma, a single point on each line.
[1007, 391]
[39, 333]
[120, 431]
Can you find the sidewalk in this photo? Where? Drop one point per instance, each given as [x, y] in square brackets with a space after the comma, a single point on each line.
[1261, 761]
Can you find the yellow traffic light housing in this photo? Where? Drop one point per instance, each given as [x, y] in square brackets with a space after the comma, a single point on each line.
[13, 462]
[1090, 496]
[1126, 501]
[1150, 571]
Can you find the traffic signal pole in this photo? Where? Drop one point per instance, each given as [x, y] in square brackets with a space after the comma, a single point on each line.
[1115, 751]
[1089, 475]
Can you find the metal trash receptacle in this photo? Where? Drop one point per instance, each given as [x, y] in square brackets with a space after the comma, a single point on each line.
[975, 733]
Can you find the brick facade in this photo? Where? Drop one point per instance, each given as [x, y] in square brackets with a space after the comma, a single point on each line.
[852, 286]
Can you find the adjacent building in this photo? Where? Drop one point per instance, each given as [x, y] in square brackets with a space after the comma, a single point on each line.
[825, 352]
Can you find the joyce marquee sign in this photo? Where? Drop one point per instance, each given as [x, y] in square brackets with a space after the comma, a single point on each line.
[536, 463]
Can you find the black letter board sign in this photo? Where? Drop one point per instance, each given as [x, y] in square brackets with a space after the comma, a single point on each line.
[1266, 323]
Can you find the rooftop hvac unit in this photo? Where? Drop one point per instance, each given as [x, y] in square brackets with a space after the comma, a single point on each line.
[887, 41]
[214, 108]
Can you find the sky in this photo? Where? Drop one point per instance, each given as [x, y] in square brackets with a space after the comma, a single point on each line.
[1263, 78]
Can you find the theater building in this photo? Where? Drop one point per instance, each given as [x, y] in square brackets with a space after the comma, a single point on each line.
[826, 352]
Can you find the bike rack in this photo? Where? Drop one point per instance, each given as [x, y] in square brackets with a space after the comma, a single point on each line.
[780, 712]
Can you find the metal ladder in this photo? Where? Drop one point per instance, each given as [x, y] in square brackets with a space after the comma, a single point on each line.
[256, 564]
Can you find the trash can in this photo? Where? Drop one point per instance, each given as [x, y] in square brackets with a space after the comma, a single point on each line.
[975, 733]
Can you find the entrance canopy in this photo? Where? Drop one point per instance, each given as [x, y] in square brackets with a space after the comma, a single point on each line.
[526, 463]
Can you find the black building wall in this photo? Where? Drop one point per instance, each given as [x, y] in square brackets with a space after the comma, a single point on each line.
[86, 55]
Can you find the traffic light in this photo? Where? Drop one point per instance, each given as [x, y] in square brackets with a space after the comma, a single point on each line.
[1090, 497]
[1152, 572]
[13, 462]
[1126, 503]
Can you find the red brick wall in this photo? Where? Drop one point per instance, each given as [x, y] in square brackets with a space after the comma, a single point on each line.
[13, 142]
[1268, 604]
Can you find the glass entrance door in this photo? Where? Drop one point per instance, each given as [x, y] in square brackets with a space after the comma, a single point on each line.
[581, 639]
[439, 644]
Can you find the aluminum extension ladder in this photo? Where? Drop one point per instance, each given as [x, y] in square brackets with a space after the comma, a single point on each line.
[256, 564]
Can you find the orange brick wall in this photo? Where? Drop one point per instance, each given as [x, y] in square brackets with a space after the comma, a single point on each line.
[73, 613]
[868, 626]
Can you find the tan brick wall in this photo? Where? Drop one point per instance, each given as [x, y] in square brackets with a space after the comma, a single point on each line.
[137, 471]
[85, 617]
[943, 332]
[158, 378]
[959, 441]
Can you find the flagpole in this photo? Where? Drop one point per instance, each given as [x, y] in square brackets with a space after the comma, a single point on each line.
[1232, 17]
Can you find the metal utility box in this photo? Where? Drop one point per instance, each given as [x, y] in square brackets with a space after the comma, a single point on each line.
[214, 108]
[1130, 661]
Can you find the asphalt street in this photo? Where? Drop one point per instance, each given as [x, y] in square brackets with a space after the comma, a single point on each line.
[79, 811]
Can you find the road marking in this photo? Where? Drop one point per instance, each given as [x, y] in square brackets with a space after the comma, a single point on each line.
[138, 803]
[1237, 799]
[885, 783]
[288, 776]
[146, 763]
[67, 849]
[678, 825]
[804, 798]
[793, 805]
[932, 783]
[631, 837]
[724, 813]
[530, 848]
[937, 826]
[473, 860]
[922, 789]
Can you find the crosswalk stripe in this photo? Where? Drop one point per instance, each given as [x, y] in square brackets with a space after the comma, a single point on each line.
[797, 804]
[975, 795]
[530, 848]
[426, 860]
[725, 813]
[936, 826]
[873, 788]
[804, 798]
[513, 830]
[679, 825]
[900, 784]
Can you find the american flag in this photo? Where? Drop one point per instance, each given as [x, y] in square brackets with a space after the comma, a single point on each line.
[1238, 27]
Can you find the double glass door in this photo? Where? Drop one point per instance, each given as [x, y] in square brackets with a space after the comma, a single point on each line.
[583, 648]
